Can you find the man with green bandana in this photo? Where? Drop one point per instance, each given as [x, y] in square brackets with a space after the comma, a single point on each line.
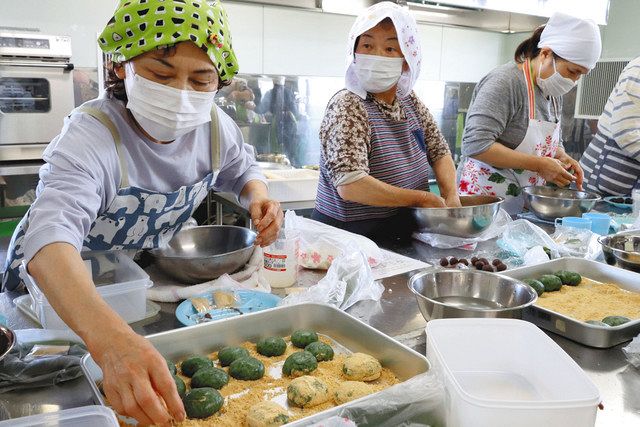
[127, 171]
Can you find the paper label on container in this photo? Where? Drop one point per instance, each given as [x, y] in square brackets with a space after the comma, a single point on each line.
[275, 262]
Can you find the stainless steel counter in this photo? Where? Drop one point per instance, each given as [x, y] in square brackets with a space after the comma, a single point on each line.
[396, 315]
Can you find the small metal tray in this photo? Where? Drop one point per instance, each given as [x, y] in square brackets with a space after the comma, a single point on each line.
[584, 333]
[345, 330]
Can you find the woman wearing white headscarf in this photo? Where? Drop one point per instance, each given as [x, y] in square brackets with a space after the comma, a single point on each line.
[378, 139]
[512, 133]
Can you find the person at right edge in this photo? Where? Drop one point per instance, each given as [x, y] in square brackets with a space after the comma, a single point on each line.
[612, 159]
[512, 133]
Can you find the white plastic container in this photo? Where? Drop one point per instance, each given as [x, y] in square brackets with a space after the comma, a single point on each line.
[506, 372]
[94, 416]
[119, 280]
[292, 185]
[281, 259]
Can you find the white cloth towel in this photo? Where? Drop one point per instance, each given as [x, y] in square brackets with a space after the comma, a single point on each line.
[168, 290]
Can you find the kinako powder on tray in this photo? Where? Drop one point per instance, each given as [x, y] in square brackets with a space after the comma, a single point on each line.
[592, 300]
[240, 395]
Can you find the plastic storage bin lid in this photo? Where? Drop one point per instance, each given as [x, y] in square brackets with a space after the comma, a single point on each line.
[94, 416]
[504, 352]
[112, 272]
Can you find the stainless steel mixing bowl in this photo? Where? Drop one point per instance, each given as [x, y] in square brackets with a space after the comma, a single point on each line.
[203, 253]
[550, 203]
[450, 293]
[622, 249]
[7, 341]
[476, 215]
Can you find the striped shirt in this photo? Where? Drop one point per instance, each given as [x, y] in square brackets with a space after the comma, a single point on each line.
[611, 162]
[396, 156]
[620, 119]
[345, 134]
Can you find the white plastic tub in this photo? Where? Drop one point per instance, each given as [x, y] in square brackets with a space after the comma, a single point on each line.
[506, 372]
[293, 185]
[94, 416]
[119, 280]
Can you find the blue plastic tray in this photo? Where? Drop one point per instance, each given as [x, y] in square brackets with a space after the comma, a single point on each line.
[248, 302]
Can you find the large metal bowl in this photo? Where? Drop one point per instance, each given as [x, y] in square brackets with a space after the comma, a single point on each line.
[7, 341]
[204, 253]
[451, 293]
[476, 215]
[622, 249]
[550, 203]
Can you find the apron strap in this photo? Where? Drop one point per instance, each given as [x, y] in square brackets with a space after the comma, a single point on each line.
[531, 95]
[215, 140]
[108, 123]
[555, 109]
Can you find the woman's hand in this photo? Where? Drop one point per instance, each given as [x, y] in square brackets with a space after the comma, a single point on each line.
[571, 164]
[430, 200]
[445, 171]
[136, 380]
[555, 171]
[266, 215]
[453, 201]
[267, 218]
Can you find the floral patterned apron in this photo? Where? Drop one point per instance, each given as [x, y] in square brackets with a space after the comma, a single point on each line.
[541, 139]
[136, 218]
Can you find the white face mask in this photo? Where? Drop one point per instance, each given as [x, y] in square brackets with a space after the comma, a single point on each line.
[556, 84]
[166, 113]
[377, 73]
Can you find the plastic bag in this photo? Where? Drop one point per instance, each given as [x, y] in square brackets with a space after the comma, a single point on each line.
[449, 242]
[418, 401]
[535, 255]
[335, 421]
[576, 242]
[632, 352]
[320, 243]
[522, 235]
[348, 280]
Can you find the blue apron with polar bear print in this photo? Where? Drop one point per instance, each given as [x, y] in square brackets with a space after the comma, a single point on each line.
[136, 218]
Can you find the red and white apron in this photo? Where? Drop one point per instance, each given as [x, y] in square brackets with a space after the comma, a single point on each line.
[541, 139]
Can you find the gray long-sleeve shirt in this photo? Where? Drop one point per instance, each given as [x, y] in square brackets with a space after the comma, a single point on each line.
[82, 173]
[499, 111]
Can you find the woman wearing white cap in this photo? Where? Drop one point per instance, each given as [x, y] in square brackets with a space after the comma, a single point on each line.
[378, 139]
[512, 133]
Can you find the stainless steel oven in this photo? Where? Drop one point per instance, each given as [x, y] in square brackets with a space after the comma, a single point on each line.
[36, 93]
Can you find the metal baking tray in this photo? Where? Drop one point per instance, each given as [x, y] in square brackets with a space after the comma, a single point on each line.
[347, 331]
[576, 330]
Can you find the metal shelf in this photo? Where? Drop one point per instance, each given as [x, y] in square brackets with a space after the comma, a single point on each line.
[31, 168]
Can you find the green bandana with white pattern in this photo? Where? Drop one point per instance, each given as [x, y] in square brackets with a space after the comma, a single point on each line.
[139, 26]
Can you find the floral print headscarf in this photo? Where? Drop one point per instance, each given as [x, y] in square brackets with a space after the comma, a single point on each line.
[408, 38]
